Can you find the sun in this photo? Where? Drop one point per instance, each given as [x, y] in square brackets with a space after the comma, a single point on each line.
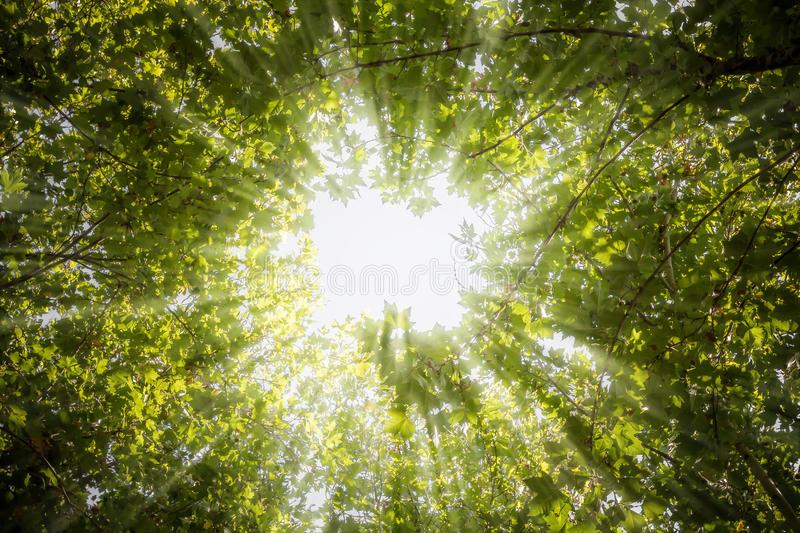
[371, 253]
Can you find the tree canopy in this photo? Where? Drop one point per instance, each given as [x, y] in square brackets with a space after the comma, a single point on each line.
[637, 161]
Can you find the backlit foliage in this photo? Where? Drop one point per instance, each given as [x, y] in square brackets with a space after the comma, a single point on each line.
[638, 163]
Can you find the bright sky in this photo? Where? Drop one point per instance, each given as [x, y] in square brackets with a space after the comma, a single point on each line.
[370, 253]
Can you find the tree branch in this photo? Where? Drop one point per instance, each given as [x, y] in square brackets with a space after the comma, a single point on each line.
[48, 266]
[518, 129]
[660, 266]
[769, 486]
[575, 32]
[576, 199]
[778, 59]
[689, 235]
